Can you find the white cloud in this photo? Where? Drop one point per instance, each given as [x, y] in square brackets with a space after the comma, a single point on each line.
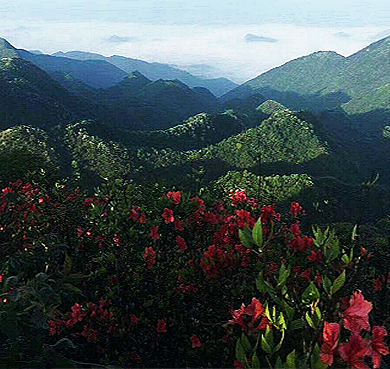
[222, 47]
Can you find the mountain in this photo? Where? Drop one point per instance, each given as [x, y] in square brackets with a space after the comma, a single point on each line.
[326, 79]
[138, 102]
[95, 73]
[155, 71]
[29, 95]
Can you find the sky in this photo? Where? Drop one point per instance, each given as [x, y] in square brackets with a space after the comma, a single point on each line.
[237, 39]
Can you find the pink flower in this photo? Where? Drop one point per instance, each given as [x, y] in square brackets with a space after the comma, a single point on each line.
[330, 336]
[377, 347]
[195, 342]
[354, 351]
[355, 317]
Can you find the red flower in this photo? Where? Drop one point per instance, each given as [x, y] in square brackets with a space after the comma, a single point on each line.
[133, 215]
[150, 257]
[238, 365]
[255, 309]
[238, 317]
[354, 351]
[356, 316]
[377, 347]
[161, 326]
[133, 319]
[330, 335]
[195, 342]
[181, 243]
[168, 216]
[295, 208]
[315, 256]
[305, 274]
[175, 196]
[178, 225]
[378, 283]
[154, 233]
[142, 218]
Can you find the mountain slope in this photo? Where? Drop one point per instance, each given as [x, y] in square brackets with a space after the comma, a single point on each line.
[156, 71]
[138, 102]
[325, 80]
[95, 73]
[29, 96]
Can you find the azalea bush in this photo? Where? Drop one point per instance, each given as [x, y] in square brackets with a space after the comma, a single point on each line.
[150, 277]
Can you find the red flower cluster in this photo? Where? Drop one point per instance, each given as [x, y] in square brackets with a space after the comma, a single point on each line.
[268, 214]
[175, 196]
[150, 257]
[214, 259]
[161, 326]
[296, 209]
[181, 244]
[168, 216]
[255, 310]
[353, 352]
[154, 233]
[136, 216]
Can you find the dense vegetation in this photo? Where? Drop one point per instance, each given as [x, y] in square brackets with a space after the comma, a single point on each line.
[150, 224]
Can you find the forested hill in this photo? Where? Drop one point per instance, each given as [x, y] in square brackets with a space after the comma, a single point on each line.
[326, 79]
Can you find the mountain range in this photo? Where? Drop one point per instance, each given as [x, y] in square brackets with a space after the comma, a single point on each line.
[357, 83]
[127, 124]
[155, 71]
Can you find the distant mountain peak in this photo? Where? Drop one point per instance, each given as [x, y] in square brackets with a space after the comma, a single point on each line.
[7, 50]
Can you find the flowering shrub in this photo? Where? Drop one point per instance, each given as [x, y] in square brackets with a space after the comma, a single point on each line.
[116, 279]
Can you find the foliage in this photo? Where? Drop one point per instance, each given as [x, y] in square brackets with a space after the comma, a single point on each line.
[137, 277]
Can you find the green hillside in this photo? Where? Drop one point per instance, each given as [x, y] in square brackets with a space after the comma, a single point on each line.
[29, 96]
[326, 79]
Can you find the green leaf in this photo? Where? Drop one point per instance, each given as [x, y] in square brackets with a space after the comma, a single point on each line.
[338, 283]
[246, 237]
[354, 233]
[279, 363]
[309, 320]
[255, 361]
[317, 316]
[290, 360]
[283, 275]
[67, 264]
[296, 324]
[327, 284]
[311, 293]
[240, 352]
[345, 259]
[279, 345]
[257, 234]
[265, 345]
[260, 283]
[333, 251]
[245, 343]
[269, 336]
[281, 322]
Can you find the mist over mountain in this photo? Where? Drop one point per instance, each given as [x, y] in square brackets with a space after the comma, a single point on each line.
[155, 71]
